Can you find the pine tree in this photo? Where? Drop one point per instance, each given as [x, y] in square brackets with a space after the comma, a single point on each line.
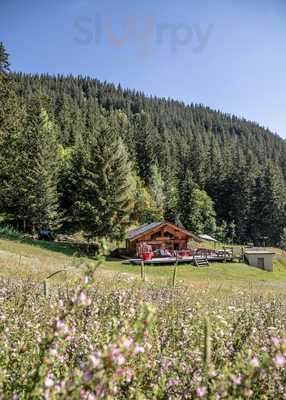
[4, 59]
[37, 195]
[156, 188]
[268, 212]
[11, 116]
[171, 201]
[198, 160]
[102, 181]
[145, 152]
[195, 206]
[186, 187]
[145, 208]
[10, 110]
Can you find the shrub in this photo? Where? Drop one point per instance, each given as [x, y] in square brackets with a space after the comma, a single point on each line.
[10, 233]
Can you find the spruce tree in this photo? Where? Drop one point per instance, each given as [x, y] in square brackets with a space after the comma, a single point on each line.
[196, 208]
[268, 212]
[4, 59]
[156, 188]
[145, 209]
[11, 117]
[38, 162]
[102, 199]
[10, 110]
[145, 150]
[186, 187]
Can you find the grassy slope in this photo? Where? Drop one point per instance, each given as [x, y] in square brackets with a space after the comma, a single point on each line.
[36, 260]
[39, 259]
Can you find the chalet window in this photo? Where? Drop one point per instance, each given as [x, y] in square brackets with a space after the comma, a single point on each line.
[168, 235]
[156, 235]
[260, 262]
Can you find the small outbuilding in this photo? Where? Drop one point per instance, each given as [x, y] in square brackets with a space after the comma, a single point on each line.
[159, 235]
[262, 259]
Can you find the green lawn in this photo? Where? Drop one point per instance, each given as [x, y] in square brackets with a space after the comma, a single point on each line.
[215, 271]
[37, 260]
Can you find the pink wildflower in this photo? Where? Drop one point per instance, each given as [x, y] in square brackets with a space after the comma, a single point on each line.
[116, 356]
[61, 303]
[139, 349]
[127, 343]
[279, 361]
[120, 360]
[128, 375]
[254, 362]
[91, 396]
[95, 360]
[201, 391]
[38, 339]
[275, 340]
[49, 382]
[83, 299]
[237, 380]
[60, 325]
[53, 352]
[173, 382]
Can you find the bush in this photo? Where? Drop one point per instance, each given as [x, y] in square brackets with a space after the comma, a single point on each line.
[10, 233]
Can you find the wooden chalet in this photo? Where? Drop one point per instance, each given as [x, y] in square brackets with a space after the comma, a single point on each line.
[159, 235]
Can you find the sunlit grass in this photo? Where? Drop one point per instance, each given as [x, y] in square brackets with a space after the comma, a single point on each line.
[38, 260]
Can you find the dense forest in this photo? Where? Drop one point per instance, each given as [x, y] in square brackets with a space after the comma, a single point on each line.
[79, 154]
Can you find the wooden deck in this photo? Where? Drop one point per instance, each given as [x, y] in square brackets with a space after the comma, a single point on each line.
[183, 260]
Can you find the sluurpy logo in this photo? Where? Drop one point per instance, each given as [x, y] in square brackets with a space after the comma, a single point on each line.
[145, 31]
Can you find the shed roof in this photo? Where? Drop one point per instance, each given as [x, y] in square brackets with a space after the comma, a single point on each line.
[142, 229]
[207, 237]
[259, 252]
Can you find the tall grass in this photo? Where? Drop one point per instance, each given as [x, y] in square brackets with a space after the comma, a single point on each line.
[121, 338]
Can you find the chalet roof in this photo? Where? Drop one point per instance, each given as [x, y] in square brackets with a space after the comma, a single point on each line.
[137, 232]
[141, 229]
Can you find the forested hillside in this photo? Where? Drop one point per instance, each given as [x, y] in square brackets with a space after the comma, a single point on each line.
[79, 154]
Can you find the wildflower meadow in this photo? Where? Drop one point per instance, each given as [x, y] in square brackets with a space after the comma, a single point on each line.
[122, 338]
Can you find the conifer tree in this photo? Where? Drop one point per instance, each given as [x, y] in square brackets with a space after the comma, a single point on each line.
[102, 178]
[171, 201]
[145, 152]
[186, 187]
[195, 207]
[198, 161]
[11, 116]
[156, 188]
[145, 208]
[10, 110]
[36, 190]
[4, 59]
[268, 213]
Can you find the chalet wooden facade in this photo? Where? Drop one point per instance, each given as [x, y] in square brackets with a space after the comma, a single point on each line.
[159, 235]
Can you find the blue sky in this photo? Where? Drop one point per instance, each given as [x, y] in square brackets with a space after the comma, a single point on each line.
[229, 55]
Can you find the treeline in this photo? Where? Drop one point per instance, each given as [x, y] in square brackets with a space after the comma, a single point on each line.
[78, 154]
